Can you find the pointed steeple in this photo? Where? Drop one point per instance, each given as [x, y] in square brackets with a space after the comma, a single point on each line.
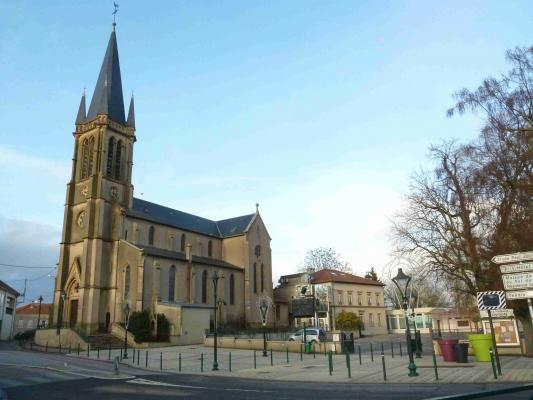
[81, 117]
[107, 98]
[131, 114]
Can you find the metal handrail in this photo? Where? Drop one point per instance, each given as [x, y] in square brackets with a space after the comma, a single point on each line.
[486, 393]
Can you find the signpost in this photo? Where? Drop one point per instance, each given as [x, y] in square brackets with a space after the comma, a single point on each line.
[515, 257]
[503, 313]
[494, 300]
[514, 268]
[521, 280]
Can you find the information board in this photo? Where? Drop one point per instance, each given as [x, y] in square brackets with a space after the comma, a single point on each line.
[505, 331]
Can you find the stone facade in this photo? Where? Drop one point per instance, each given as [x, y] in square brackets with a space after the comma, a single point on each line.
[117, 249]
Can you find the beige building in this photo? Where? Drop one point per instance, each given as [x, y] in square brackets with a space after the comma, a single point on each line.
[8, 300]
[28, 317]
[118, 249]
[334, 292]
[446, 320]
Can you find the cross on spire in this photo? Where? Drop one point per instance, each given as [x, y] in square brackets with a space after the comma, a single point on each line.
[115, 11]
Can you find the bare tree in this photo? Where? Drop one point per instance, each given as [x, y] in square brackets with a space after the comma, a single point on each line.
[324, 258]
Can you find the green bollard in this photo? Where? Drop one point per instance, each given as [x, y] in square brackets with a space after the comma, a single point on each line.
[161, 361]
[314, 355]
[69, 349]
[78, 349]
[492, 362]
[371, 352]
[287, 353]
[271, 359]
[348, 365]
[202, 362]
[179, 362]
[383, 363]
[138, 356]
[89, 347]
[392, 349]
[46, 347]
[325, 352]
[435, 366]
[230, 360]
[401, 353]
[330, 362]
[301, 352]
[121, 354]
[255, 359]
[98, 353]
[146, 359]
[359, 351]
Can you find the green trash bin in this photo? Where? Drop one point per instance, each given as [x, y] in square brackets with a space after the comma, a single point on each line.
[308, 347]
[481, 343]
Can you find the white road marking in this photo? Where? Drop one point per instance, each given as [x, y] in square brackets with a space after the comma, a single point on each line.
[141, 381]
[249, 390]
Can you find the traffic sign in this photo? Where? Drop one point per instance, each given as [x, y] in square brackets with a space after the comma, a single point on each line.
[514, 268]
[493, 300]
[507, 258]
[522, 280]
[520, 294]
[503, 313]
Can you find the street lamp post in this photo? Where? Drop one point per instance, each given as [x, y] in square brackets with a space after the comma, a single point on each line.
[263, 307]
[126, 323]
[215, 279]
[402, 283]
[39, 317]
[414, 298]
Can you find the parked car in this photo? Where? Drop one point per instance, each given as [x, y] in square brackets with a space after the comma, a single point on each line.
[316, 335]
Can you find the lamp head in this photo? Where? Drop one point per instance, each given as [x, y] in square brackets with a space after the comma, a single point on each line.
[402, 281]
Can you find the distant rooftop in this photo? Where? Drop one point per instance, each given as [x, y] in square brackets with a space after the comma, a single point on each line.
[33, 308]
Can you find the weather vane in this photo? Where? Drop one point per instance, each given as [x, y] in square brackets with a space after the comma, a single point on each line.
[115, 11]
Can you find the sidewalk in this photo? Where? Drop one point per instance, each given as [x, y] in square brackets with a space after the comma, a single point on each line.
[308, 367]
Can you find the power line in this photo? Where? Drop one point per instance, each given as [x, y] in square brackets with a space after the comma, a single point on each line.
[22, 266]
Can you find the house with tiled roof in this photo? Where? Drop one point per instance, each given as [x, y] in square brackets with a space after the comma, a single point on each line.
[31, 316]
[317, 298]
[119, 250]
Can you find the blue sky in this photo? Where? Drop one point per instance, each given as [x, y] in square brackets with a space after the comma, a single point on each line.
[319, 111]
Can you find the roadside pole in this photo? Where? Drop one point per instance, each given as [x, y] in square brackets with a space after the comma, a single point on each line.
[494, 343]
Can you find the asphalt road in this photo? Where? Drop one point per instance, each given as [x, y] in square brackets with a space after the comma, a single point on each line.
[26, 375]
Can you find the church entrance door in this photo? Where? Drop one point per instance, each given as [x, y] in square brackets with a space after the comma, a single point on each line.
[73, 313]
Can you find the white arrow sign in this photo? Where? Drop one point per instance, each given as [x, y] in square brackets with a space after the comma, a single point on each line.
[519, 294]
[507, 258]
[513, 268]
[522, 280]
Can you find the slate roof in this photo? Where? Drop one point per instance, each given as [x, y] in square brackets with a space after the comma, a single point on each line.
[4, 286]
[331, 275]
[178, 255]
[33, 308]
[148, 211]
[107, 97]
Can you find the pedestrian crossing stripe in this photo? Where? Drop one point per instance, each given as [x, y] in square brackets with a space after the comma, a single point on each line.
[491, 300]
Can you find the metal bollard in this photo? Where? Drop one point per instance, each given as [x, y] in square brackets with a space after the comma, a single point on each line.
[382, 348]
[46, 347]
[202, 362]
[371, 352]
[133, 351]
[59, 347]
[401, 352]
[348, 365]
[330, 362]
[301, 352]
[121, 354]
[138, 356]
[435, 366]
[383, 363]
[88, 349]
[78, 349]
[161, 361]
[360, 359]
[271, 359]
[287, 353]
[255, 359]
[230, 361]
[98, 353]
[69, 349]
[392, 349]
[325, 352]
[109, 353]
[146, 360]
[492, 362]
[314, 354]
[179, 362]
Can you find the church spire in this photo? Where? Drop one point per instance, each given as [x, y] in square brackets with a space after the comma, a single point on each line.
[131, 114]
[107, 98]
[81, 117]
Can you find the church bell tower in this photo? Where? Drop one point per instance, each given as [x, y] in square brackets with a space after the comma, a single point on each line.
[98, 193]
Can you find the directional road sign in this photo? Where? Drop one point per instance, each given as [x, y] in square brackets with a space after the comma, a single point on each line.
[520, 294]
[515, 257]
[514, 268]
[523, 280]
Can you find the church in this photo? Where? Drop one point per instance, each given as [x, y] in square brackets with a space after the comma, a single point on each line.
[119, 250]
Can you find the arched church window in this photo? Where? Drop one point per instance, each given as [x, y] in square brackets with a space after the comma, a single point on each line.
[90, 157]
[171, 283]
[210, 248]
[232, 289]
[255, 278]
[110, 151]
[262, 278]
[84, 159]
[204, 287]
[127, 282]
[182, 246]
[151, 232]
[118, 159]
